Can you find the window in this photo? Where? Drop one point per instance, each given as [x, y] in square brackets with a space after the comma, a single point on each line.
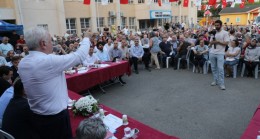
[123, 21]
[238, 19]
[111, 21]
[160, 22]
[227, 20]
[141, 1]
[185, 19]
[176, 18]
[130, 1]
[155, 1]
[100, 22]
[45, 26]
[71, 25]
[84, 23]
[192, 4]
[131, 22]
[110, 1]
[165, 1]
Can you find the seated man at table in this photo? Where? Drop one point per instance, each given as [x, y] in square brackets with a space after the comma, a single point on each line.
[115, 53]
[91, 128]
[125, 50]
[137, 54]
[102, 54]
[91, 58]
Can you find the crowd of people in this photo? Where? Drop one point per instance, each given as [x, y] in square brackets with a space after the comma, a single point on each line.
[31, 71]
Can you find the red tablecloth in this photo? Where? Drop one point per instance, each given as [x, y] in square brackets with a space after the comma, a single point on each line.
[146, 132]
[81, 82]
[253, 127]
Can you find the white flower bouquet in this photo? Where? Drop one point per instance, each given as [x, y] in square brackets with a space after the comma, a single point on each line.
[85, 106]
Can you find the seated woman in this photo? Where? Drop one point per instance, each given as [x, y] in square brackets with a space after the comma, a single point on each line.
[201, 55]
[232, 57]
[251, 57]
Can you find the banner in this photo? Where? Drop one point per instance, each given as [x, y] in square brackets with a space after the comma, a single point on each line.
[251, 1]
[186, 3]
[224, 3]
[242, 5]
[160, 2]
[212, 2]
[123, 1]
[87, 2]
[173, 0]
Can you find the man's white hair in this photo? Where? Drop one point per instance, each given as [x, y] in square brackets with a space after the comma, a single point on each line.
[34, 35]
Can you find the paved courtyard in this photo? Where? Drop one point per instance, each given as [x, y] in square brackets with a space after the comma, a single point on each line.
[183, 104]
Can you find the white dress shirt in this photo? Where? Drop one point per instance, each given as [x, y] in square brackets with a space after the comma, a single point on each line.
[44, 80]
[103, 55]
[90, 60]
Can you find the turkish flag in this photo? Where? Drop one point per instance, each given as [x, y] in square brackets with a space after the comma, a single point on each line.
[160, 2]
[186, 3]
[173, 0]
[212, 2]
[224, 3]
[203, 7]
[242, 5]
[251, 1]
[87, 2]
[123, 1]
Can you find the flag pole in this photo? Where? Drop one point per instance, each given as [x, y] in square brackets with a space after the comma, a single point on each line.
[118, 14]
[98, 23]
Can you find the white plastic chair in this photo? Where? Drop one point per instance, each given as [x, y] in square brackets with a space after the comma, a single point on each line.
[187, 59]
[4, 135]
[235, 71]
[167, 62]
[256, 70]
[207, 63]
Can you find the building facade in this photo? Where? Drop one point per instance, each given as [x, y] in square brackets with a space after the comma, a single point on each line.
[59, 16]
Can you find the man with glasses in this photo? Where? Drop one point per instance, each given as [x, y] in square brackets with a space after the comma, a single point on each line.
[218, 43]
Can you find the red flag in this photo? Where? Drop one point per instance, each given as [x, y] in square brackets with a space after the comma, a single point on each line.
[173, 0]
[160, 2]
[87, 2]
[123, 1]
[186, 3]
[212, 2]
[242, 5]
[251, 1]
[224, 3]
[203, 7]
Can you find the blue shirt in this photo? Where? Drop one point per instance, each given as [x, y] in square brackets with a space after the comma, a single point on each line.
[4, 100]
[137, 51]
[4, 48]
[103, 56]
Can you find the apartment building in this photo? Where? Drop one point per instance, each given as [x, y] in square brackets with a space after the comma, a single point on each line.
[59, 16]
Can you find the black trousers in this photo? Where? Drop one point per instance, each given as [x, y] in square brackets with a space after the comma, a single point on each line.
[145, 59]
[199, 61]
[52, 126]
[250, 67]
[183, 60]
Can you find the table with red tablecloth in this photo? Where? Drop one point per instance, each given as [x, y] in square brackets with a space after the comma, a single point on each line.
[81, 82]
[253, 127]
[146, 132]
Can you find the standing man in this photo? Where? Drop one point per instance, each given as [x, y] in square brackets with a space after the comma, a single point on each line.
[218, 44]
[45, 83]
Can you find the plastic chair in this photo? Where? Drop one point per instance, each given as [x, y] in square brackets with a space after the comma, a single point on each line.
[187, 59]
[256, 70]
[235, 71]
[167, 62]
[4, 135]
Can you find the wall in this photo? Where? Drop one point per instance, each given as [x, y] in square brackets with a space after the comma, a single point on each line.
[232, 19]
